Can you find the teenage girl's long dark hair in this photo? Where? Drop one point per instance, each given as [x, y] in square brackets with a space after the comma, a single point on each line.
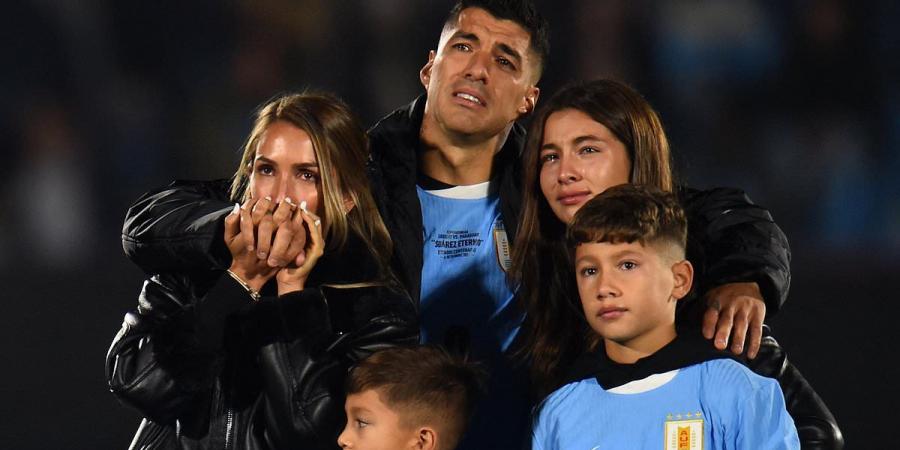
[555, 332]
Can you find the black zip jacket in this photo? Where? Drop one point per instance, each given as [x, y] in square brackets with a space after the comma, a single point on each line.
[731, 239]
[210, 369]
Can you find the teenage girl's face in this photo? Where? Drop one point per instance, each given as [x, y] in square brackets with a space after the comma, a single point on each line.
[579, 159]
[285, 166]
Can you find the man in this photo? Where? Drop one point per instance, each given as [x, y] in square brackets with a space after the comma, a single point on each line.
[445, 174]
[447, 165]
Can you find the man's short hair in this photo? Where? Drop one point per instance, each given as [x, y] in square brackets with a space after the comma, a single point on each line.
[522, 12]
[424, 385]
[629, 213]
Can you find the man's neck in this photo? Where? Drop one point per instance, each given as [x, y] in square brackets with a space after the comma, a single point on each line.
[630, 351]
[458, 160]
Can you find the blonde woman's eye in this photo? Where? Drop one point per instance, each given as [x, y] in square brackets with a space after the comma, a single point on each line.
[265, 169]
[309, 176]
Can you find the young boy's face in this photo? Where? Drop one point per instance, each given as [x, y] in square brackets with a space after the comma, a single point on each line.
[372, 425]
[628, 291]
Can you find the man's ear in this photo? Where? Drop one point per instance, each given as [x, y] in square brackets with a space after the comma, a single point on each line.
[425, 73]
[426, 439]
[529, 101]
[683, 272]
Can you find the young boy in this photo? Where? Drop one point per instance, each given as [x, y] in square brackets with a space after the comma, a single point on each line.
[646, 386]
[409, 398]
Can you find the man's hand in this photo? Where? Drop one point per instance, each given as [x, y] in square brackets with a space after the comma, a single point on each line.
[738, 310]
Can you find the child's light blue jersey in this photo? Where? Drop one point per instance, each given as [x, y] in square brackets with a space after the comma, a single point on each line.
[464, 290]
[717, 404]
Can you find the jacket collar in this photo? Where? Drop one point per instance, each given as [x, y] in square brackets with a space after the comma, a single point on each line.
[400, 130]
[687, 349]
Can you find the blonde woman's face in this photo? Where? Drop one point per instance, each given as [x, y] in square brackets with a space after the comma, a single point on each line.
[285, 166]
[579, 159]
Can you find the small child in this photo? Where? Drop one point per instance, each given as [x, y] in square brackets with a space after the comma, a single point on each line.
[409, 398]
[644, 385]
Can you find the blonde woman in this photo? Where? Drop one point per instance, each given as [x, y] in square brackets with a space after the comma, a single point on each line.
[249, 348]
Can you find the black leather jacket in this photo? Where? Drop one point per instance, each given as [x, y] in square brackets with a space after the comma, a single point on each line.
[210, 369]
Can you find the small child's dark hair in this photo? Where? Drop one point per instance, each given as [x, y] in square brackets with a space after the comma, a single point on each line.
[629, 213]
[424, 385]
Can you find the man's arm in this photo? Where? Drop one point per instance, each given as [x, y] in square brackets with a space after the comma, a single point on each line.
[179, 227]
[743, 265]
[737, 241]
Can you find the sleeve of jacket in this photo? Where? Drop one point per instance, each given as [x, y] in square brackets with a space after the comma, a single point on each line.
[816, 426]
[170, 347]
[731, 239]
[310, 340]
[179, 227]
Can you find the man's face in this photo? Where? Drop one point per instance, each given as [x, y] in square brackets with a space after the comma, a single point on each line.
[372, 425]
[628, 291]
[482, 77]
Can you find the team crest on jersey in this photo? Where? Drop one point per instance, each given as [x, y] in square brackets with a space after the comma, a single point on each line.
[684, 431]
[502, 244]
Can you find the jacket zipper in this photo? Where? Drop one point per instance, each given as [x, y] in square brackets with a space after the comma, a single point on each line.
[229, 423]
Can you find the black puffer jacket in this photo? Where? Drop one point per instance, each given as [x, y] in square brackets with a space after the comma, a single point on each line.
[210, 369]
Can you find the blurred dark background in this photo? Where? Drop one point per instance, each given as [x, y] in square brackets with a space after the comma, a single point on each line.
[797, 102]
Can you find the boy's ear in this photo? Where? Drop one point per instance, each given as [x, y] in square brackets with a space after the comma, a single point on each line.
[426, 439]
[683, 272]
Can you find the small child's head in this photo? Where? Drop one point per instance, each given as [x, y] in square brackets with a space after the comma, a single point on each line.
[409, 398]
[629, 249]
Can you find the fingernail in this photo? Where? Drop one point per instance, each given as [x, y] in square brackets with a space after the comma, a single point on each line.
[317, 222]
[249, 248]
[269, 198]
[303, 206]
[261, 255]
[289, 202]
[236, 209]
[275, 262]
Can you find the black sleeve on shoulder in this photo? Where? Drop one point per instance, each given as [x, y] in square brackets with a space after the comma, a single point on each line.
[816, 425]
[170, 347]
[179, 227]
[731, 239]
[310, 340]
